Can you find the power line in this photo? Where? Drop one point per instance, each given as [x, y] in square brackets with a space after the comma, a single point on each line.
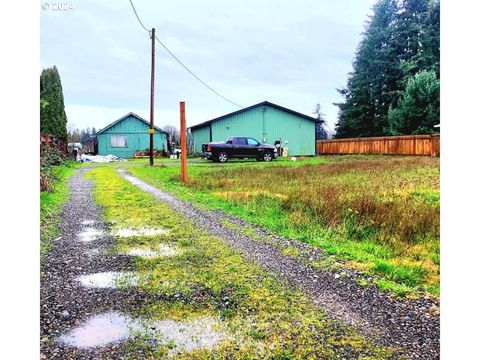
[138, 18]
[195, 76]
[180, 62]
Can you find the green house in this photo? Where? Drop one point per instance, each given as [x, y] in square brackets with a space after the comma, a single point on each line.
[128, 135]
[266, 122]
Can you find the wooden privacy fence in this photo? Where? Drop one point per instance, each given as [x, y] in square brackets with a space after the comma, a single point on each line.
[389, 145]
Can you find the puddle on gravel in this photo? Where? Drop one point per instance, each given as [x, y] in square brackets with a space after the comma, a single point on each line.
[94, 252]
[200, 333]
[161, 251]
[104, 329]
[109, 279]
[99, 330]
[88, 222]
[127, 232]
[89, 234]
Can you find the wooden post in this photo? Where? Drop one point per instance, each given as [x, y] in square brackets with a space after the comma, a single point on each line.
[183, 142]
[432, 150]
[152, 90]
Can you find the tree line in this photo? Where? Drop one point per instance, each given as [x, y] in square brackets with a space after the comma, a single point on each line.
[394, 88]
[81, 136]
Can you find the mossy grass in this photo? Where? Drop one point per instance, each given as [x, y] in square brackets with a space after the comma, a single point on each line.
[262, 317]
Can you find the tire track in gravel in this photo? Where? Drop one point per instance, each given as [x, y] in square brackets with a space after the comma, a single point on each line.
[406, 323]
[64, 303]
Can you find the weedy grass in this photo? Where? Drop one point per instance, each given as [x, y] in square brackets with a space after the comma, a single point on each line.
[374, 212]
[263, 319]
[51, 204]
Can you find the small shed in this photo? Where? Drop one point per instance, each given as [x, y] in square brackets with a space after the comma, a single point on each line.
[129, 134]
[266, 122]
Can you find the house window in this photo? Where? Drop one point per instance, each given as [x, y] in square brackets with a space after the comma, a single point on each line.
[118, 141]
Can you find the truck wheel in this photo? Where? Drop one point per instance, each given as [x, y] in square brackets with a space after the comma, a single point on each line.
[223, 157]
[267, 156]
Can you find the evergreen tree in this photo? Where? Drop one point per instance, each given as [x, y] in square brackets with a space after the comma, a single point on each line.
[419, 108]
[320, 132]
[401, 39]
[53, 120]
[364, 112]
[86, 135]
[430, 39]
[82, 136]
[409, 39]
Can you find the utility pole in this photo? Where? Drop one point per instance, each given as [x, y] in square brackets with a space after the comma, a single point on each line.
[151, 131]
[183, 142]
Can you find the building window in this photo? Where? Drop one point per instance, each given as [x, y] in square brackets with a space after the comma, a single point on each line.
[118, 141]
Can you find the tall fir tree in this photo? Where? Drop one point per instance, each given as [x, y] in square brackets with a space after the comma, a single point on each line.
[364, 112]
[401, 39]
[53, 120]
[430, 39]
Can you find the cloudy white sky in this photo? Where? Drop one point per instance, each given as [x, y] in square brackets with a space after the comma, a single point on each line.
[292, 53]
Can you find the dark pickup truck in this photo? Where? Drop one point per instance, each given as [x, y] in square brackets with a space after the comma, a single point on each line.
[239, 147]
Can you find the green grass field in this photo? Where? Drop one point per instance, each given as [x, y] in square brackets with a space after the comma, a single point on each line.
[379, 214]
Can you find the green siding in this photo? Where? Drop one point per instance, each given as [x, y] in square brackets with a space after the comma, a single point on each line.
[138, 138]
[265, 126]
[200, 136]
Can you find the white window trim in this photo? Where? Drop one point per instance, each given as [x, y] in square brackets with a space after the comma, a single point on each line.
[124, 140]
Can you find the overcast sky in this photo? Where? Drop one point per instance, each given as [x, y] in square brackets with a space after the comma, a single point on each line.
[292, 53]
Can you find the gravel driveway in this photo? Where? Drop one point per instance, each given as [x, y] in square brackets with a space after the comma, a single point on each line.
[66, 304]
[414, 325]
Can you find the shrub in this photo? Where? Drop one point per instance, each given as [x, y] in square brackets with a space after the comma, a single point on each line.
[49, 156]
[419, 108]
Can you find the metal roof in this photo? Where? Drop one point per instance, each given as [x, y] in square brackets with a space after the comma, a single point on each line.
[124, 117]
[264, 103]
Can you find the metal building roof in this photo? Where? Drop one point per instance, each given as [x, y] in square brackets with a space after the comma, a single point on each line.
[264, 103]
[124, 117]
